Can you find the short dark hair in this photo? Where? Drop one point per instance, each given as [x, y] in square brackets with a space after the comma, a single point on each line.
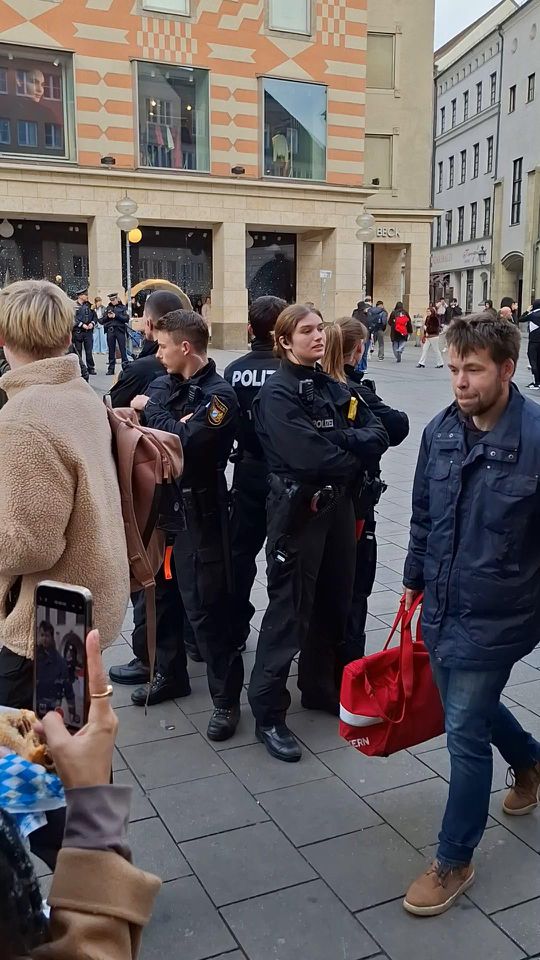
[161, 302]
[185, 325]
[263, 313]
[380, 303]
[482, 332]
[47, 627]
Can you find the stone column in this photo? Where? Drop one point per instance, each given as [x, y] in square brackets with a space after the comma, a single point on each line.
[498, 273]
[308, 267]
[417, 265]
[104, 257]
[342, 254]
[229, 293]
[531, 281]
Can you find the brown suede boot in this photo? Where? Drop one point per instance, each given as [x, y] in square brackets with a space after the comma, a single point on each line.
[523, 797]
[438, 889]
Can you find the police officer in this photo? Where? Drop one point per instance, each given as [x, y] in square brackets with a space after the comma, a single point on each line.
[345, 343]
[247, 375]
[196, 404]
[318, 441]
[115, 321]
[83, 329]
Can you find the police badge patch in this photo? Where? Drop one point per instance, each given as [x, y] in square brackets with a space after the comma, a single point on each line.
[217, 412]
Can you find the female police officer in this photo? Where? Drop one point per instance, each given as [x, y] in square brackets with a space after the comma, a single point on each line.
[318, 440]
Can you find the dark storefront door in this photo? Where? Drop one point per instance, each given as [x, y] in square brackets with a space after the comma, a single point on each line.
[271, 266]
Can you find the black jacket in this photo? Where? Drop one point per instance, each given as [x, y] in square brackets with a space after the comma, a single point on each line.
[83, 314]
[533, 319]
[4, 368]
[207, 437]
[120, 319]
[313, 441]
[395, 422]
[136, 378]
[247, 375]
[396, 337]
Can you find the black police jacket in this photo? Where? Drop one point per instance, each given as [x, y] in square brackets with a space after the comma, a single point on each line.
[247, 375]
[207, 437]
[395, 422]
[305, 430]
[120, 319]
[136, 378]
[83, 314]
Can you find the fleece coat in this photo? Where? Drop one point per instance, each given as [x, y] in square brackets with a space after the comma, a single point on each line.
[60, 514]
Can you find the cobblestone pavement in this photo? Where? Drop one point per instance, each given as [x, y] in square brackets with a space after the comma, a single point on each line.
[272, 861]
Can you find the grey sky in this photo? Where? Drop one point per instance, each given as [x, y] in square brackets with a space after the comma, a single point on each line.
[451, 16]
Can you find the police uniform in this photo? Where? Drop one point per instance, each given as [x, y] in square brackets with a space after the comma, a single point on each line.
[84, 315]
[115, 329]
[250, 488]
[318, 440]
[396, 424]
[200, 549]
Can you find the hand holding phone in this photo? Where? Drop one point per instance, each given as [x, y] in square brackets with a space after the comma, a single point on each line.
[85, 760]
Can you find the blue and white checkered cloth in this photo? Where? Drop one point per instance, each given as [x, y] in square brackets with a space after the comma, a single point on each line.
[27, 791]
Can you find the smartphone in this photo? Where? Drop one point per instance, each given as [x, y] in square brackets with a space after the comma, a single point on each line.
[63, 620]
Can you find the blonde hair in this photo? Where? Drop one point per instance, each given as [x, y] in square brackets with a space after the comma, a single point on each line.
[287, 323]
[36, 317]
[342, 337]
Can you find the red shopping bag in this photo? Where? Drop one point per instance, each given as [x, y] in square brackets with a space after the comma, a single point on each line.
[389, 700]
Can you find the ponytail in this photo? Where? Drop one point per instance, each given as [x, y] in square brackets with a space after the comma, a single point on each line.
[342, 339]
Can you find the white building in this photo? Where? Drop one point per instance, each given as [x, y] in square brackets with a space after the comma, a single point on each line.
[468, 89]
[516, 260]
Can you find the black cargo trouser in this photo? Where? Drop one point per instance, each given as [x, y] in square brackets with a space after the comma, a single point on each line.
[533, 353]
[116, 336]
[248, 533]
[171, 628]
[364, 578]
[202, 581]
[86, 340]
[310, 584]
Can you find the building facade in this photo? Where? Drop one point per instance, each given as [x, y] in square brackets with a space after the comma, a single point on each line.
[238, 128]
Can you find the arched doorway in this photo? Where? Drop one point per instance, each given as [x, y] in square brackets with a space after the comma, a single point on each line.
[512, 278]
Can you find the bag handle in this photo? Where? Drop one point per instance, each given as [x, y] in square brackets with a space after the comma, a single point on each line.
[406, 668]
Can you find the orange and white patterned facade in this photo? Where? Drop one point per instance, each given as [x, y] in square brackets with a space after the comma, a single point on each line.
[234, 41]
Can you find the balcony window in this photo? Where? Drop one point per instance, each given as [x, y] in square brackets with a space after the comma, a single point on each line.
[290, 17]
[36, 90]
[380, 61]
[167, 6]
[173, 117]
[294, 129]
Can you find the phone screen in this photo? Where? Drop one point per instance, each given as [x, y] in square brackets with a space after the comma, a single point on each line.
[63, 619]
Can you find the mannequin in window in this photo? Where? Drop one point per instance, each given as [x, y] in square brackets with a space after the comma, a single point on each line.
[281, 153]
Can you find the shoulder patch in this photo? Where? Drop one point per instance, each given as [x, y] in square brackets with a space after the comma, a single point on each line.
[217, 411]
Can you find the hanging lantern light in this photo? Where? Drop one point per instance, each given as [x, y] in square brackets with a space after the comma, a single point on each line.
[126, 206]
[249, 241]
[6, 229]
[135, 235]
[366, 225]
[127, 223]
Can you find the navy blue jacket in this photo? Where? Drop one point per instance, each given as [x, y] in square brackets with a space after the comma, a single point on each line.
[475, 538]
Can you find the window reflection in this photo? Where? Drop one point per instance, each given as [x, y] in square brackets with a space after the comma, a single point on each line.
[294, 130]
[183, 256]
[173, 117]
[36, 103]
[271, 266]
[44, 250]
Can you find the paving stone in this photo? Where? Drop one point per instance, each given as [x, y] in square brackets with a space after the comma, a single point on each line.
[462, 932]
[386, 575]
[122, 695]
[141, 807]
[259, 772]
[118, 762]
[429, 745]
[173, 761]
[383, 603]
[306, 922]
[317, 730]
[185, 924]
[309, 812]
[367, 775]
[196, 669]
[522, 923]
[529, 721]
[41, 869]
[526, 694]
[368, 867]
[154, 850]
[202, 807]
[522, 673]
[526, 828]
[507, 872]
[117, 653]
[391, 551]
[439, 761]
[247, 862]
[416, 812]
[164, 720]
[376, 639]
[244, 734]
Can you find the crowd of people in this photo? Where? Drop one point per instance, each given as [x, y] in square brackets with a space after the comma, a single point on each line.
[306, 433]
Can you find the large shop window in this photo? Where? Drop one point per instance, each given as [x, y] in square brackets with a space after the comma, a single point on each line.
[380, 61]
[271, 266]
[294, 129]
[290, 16]
[42, 249]
[173, 117]
[378, 161]
[36, 104]
[182, 255]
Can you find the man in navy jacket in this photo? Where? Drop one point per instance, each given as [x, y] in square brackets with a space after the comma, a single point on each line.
[473, 550]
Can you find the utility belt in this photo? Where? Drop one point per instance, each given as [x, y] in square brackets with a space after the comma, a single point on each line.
[367, 493]
[298, 503]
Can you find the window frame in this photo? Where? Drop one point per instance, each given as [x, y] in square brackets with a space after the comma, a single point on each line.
[476, 161]
[486, 232]
[451, 172]
[512, 98]
[492, 89]
[438, 231]
[153, 6]
[465, 106]
[443, 119]
[6, 143]
[531, 84]
[310, 21]
[28, 125]
[479, 96]
[312, 83]
[461, 224]
[390, 138]
[463, 166]
[490, 154]
[449, 220]
[453, 106]
[381, 33]
[517, 192]
[474, 220]
[440, 176]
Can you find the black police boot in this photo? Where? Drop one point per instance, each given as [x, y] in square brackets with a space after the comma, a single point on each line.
[223, 722]
[280, 742]
[161, 689]
[323, 702]
[133, 672]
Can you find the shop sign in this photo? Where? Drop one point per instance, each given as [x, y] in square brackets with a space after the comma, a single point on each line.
[388, 233]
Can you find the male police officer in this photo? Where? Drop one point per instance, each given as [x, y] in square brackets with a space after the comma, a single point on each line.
[83, 329]
[115, 321]
[250, 487]
[196, 404]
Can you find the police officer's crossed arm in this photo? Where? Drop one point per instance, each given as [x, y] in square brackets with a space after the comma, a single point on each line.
[413, 574]
[194, 430]
[366, 438]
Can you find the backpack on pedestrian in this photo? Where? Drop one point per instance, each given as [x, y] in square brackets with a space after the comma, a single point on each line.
[149, 463]
[401, 324]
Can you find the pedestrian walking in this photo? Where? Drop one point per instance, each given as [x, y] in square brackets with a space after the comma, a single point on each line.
[511, 303]
[83, 329]
[361, 313]
[344, 345]
[247, 375]
[532, 316]
[430, 339]
[201, 408]
[473, 551]
[454, 310]
[100, 340]
[318, 441]
[400, 329]
[115, 322]
[377, 320]
[490, 309]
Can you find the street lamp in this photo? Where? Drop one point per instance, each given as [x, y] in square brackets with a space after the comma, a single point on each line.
[366, 225]
[127, 208]
[482, 254]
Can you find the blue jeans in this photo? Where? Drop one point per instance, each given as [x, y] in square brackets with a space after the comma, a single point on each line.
[475, 718]
[361, 366]
[398, 347]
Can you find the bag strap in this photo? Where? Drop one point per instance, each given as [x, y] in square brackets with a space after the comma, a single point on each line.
[406, 657]
[151, 634]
